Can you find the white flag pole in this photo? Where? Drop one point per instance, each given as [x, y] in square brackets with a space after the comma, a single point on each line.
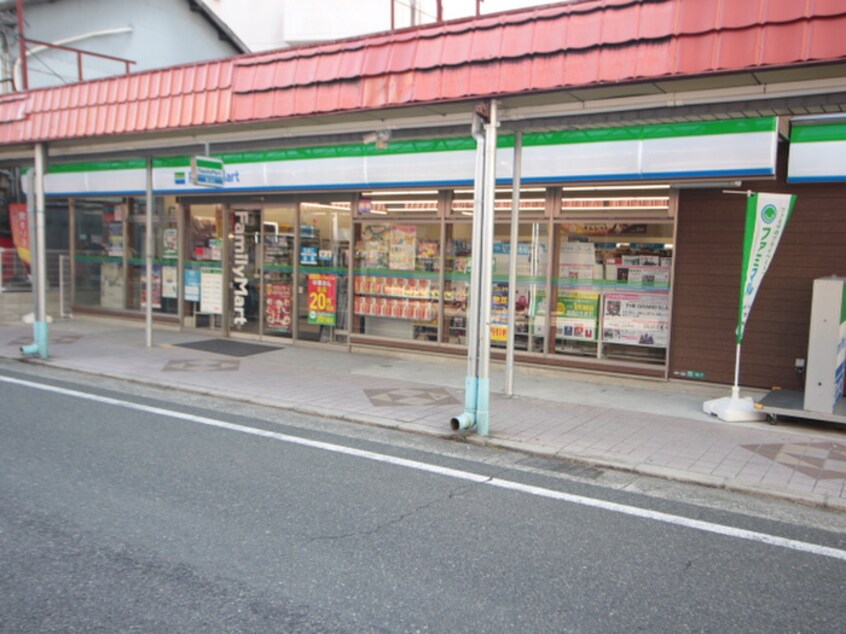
[766, 218]
[735, 388]
[734, 408]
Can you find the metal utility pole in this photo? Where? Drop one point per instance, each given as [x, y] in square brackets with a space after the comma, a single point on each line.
[22, 45]
[477, 383]
[38, 258]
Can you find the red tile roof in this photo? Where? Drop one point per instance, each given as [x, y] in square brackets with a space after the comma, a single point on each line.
[548, 48]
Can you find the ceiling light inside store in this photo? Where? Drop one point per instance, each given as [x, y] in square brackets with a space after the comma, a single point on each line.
[609, 208]
[607, 188]
[393, 192]
[332, 206]
[504, 190]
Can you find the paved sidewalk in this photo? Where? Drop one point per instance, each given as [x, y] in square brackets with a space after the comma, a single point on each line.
[644, 426]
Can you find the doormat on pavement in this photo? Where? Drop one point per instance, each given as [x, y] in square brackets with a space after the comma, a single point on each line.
[229, 347]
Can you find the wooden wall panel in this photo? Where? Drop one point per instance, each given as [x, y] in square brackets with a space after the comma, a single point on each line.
[706, 288]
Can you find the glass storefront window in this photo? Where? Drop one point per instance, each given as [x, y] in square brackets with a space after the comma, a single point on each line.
[397, 279]
[531, 268]
[99, 232]
[530, 286]
[612, 288]
[165, 287]
[323, 278]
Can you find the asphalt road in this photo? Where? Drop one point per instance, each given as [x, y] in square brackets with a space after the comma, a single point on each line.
[119, 519]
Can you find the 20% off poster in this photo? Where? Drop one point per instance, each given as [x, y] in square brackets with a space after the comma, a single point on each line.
[322, 298]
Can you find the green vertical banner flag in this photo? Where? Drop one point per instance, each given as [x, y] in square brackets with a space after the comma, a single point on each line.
[766, 218]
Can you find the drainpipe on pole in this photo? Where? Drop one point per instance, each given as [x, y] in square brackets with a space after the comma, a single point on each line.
[512, 264]
[38, 259]
[148, 253]
[467, 420]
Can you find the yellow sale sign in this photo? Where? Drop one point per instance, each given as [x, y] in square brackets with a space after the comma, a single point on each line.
[322, 298]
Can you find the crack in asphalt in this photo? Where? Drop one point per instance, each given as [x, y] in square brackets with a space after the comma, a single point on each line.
[453, 493]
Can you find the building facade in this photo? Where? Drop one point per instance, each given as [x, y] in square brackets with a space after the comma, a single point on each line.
[344, 209]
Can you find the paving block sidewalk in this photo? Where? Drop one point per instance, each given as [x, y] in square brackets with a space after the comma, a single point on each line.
[644, 426]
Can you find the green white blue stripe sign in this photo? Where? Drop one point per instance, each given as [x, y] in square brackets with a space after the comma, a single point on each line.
[735, 148]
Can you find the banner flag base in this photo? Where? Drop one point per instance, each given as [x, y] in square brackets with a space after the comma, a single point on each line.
[733, 409]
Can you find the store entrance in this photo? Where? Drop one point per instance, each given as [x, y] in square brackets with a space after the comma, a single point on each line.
[245, 270]
[323, 271]
[289, 270]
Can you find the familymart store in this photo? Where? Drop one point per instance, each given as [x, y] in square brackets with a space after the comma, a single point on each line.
[355, 245]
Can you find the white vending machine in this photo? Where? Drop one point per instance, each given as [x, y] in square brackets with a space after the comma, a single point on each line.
[826, 346]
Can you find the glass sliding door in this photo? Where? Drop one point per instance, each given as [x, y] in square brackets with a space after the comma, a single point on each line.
[203, 276]
[278, 269]
[245, 257]
[323, 265]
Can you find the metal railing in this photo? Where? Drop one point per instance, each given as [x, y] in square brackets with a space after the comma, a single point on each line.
[14, 273]
[16, 285]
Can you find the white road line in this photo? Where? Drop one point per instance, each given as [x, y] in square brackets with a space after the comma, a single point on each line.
[719, 529]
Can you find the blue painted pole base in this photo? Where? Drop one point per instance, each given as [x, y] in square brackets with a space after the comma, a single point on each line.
[39, 345]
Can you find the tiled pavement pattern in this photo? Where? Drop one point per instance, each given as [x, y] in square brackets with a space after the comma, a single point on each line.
[202, 365]
[647, 427]
[410, 396]
[817, 460]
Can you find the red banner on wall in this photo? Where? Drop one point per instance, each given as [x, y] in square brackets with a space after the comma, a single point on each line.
[19, 219]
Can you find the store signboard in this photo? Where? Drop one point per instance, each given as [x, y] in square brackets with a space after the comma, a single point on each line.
[746, 147]
[817, 153]
[322, 299]
[638, 319]
[207, 171]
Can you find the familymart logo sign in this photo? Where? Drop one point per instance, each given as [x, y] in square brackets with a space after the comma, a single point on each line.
[240, 261]
[766, 218]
